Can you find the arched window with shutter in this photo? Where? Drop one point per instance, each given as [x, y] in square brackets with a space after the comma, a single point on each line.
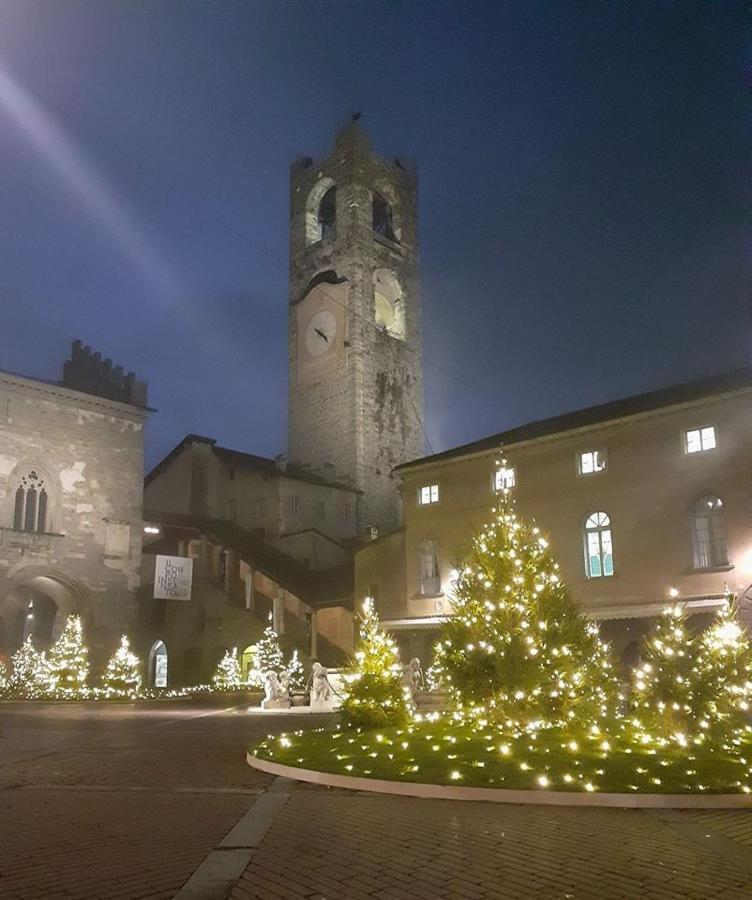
[709, 533]
[599, 554]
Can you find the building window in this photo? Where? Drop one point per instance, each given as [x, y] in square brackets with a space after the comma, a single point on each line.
[231, 510]
[259, 513]
[321, 212]
[428, 494]
[389, 304]
[231, 473]
[345, 513]
[504, 478]
[697, 440]
[710, 549]
[319, 510]
[293, 504]
[30, 504]
[599, 558]
[430, 578]
[591, 461]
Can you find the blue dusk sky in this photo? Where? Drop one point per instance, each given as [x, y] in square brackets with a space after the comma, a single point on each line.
[584, 180]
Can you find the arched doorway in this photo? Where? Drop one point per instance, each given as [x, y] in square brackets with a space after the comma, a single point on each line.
[246, 662]
[37, 604]
[158, 665]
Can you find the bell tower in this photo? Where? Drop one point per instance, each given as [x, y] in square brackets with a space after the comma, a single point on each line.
[356, 383]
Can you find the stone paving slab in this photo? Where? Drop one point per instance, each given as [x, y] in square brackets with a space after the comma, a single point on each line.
[327, 845]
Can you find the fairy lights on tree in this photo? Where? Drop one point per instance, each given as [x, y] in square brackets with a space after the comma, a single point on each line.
[376, 695]
[663, 694]
[228, 675]
[69, 661]
[517, 649]
[28, 678]
[296, 672]
[267, 656]
[122, 678]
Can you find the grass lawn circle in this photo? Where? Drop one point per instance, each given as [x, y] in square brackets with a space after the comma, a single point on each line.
[450, 753]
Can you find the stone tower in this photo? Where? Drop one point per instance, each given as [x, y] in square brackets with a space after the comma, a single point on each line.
[356, 383]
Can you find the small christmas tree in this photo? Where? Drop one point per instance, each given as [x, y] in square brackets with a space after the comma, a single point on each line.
[69, 661]
[663, 699]
[517, 649]
[123, 676]
[3, 678]
[295, 672]
[267, 656]
[28, 677]
[228, 677]
[723, 671]
[376, 696]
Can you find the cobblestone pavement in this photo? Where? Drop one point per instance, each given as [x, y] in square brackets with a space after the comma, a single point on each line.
[337, 844]
[126, 802]
[119, 801]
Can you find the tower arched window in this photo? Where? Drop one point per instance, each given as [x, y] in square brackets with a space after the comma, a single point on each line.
[31, 503]
[389, 304]
[321, 212]
[709, 533]
[599, 554]
[383, 217]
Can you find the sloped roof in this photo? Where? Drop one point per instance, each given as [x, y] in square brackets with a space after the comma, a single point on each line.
[242, 460]
[687, 392]
[331, 587]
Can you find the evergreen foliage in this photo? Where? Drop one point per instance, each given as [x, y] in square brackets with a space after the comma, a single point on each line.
[28, 678]
[296, 672]
[663, 696]
[376, 696]
[227, 676]
[122, 678]
[69, 660]
[267, 656]
[517, 649]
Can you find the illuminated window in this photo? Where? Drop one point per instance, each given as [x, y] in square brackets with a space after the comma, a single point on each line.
[430, 578]
[599, 558]
[591, 461]
[428, 494]
[30, 503]
[709, 530]
[698, 440]
[504, 478]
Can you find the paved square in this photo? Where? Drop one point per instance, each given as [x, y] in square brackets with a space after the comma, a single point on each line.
[126, 801]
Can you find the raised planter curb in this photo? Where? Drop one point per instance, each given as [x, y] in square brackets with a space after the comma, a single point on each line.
[501, 795]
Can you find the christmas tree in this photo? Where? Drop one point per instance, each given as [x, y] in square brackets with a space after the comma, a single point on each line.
[517, 649]
[69, 660]
[267, 656]
[123, 677]
[28, 677]
[227, 677]
[376, 696]
[663, 697]
[296, 673]
[723, 670]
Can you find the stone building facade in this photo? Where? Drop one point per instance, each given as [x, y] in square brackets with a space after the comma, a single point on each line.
[643, 499]
[356, 386]
[71, 490]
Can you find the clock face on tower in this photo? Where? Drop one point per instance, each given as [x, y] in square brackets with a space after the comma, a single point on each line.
[320, 333]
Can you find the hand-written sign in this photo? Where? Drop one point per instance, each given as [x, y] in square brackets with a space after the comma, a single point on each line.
[172, 578]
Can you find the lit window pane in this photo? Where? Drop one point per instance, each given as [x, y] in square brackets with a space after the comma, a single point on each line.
[694, 441]
[599, 560]
[586, 463]
[505, 478]
[707, 438]
[592, 461]
[429, 493]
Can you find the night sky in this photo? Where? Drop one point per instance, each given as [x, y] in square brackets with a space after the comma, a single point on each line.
[584, 172]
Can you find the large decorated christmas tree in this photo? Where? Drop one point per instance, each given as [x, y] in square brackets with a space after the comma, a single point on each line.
[517, 649]
[227, 676]
[69, 661]
[376, 696]
[266, 656]
[122, 678]
[28, 677]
